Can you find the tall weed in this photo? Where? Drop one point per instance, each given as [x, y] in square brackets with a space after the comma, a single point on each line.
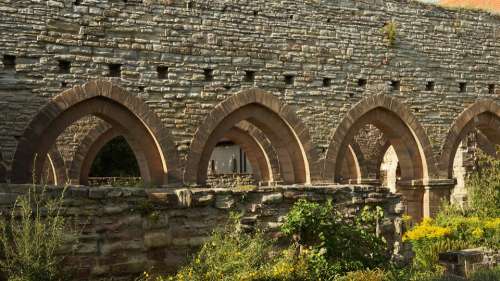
[31, 237]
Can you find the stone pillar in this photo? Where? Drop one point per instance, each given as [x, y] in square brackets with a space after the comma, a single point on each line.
[412, 197]
[435, 192]
[423, 198]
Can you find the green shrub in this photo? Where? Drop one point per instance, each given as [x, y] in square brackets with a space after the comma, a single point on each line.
[483, 188]
[338, 244]
[480, 275]
[365, 275]
[31, 236]
[486, 275]
[230, 254]
[456, 228]
[325, 246]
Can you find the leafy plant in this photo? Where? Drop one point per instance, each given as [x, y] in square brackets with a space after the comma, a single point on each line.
[483, 187]
[456, 227]
[31, 236]
[364, 275]
[390, 32]
[346, 244]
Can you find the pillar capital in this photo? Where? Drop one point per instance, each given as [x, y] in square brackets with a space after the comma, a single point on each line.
[424, 196]
[426, 183]
[370, 181]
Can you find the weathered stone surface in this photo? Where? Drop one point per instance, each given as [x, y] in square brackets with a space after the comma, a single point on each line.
[157, 239]
[121, 237]
[272, 198]
[344, 44]
[224, 201]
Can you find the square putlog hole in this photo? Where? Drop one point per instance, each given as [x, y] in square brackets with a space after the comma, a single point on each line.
[462, 86]
[395, 85]
[362, 83]
[64, 66]
[209, 74]
[289, 79]
[9, 62]
[249, 76]
[491, 89]
[327, 82]
[162, 72]
[429, 86]
[115, 70]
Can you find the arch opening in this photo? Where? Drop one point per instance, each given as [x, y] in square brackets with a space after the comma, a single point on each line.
[114, 163]
[476, 130]
[121, 111]
[241, 154]
[276, 122]
[390, 170]
[395, 130]
[402, 131]
[481, 117]
[93, 143]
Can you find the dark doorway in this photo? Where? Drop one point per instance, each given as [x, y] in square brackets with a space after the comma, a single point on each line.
[115, 159]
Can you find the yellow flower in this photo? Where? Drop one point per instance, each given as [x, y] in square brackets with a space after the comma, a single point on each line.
[478, 233]
[426, 230]
[406, 218]
[492, 223]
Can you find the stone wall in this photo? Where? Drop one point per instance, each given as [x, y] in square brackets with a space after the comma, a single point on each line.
[128, 230]
[461, 264]
[334, 54]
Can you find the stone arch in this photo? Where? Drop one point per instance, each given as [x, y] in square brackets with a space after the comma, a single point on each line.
[288, 135]
[266, 146]
[90, 146]
[255, 153]
[56, 167]
[351, 171]
[380, 159]
[483, 115]
[111, 104]
[487, 146]
[397, 123]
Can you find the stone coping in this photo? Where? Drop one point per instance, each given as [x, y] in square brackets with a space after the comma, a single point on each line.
[185, 197]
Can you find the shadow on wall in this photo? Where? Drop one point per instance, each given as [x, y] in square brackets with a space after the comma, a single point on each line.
[3, 170]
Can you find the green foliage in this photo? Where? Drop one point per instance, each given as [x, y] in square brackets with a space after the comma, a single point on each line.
[31, 236]
[345, 244]
[230, 254]
[456, 228]
[486, 275]
[483, 188]
[427, 253]
[480, 275]
[325, 246]
[365, 275]
[390, 32]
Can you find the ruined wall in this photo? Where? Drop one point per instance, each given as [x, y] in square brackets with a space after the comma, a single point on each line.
[125, 231]
[334, 54]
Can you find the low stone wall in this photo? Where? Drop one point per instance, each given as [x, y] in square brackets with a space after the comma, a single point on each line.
[128, 230]
[230, 180]
[465, 262]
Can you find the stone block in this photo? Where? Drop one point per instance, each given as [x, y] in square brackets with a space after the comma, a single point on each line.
[95, 193]
[8, 198]
[273, 198]
[157, 239]
[224, 201]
